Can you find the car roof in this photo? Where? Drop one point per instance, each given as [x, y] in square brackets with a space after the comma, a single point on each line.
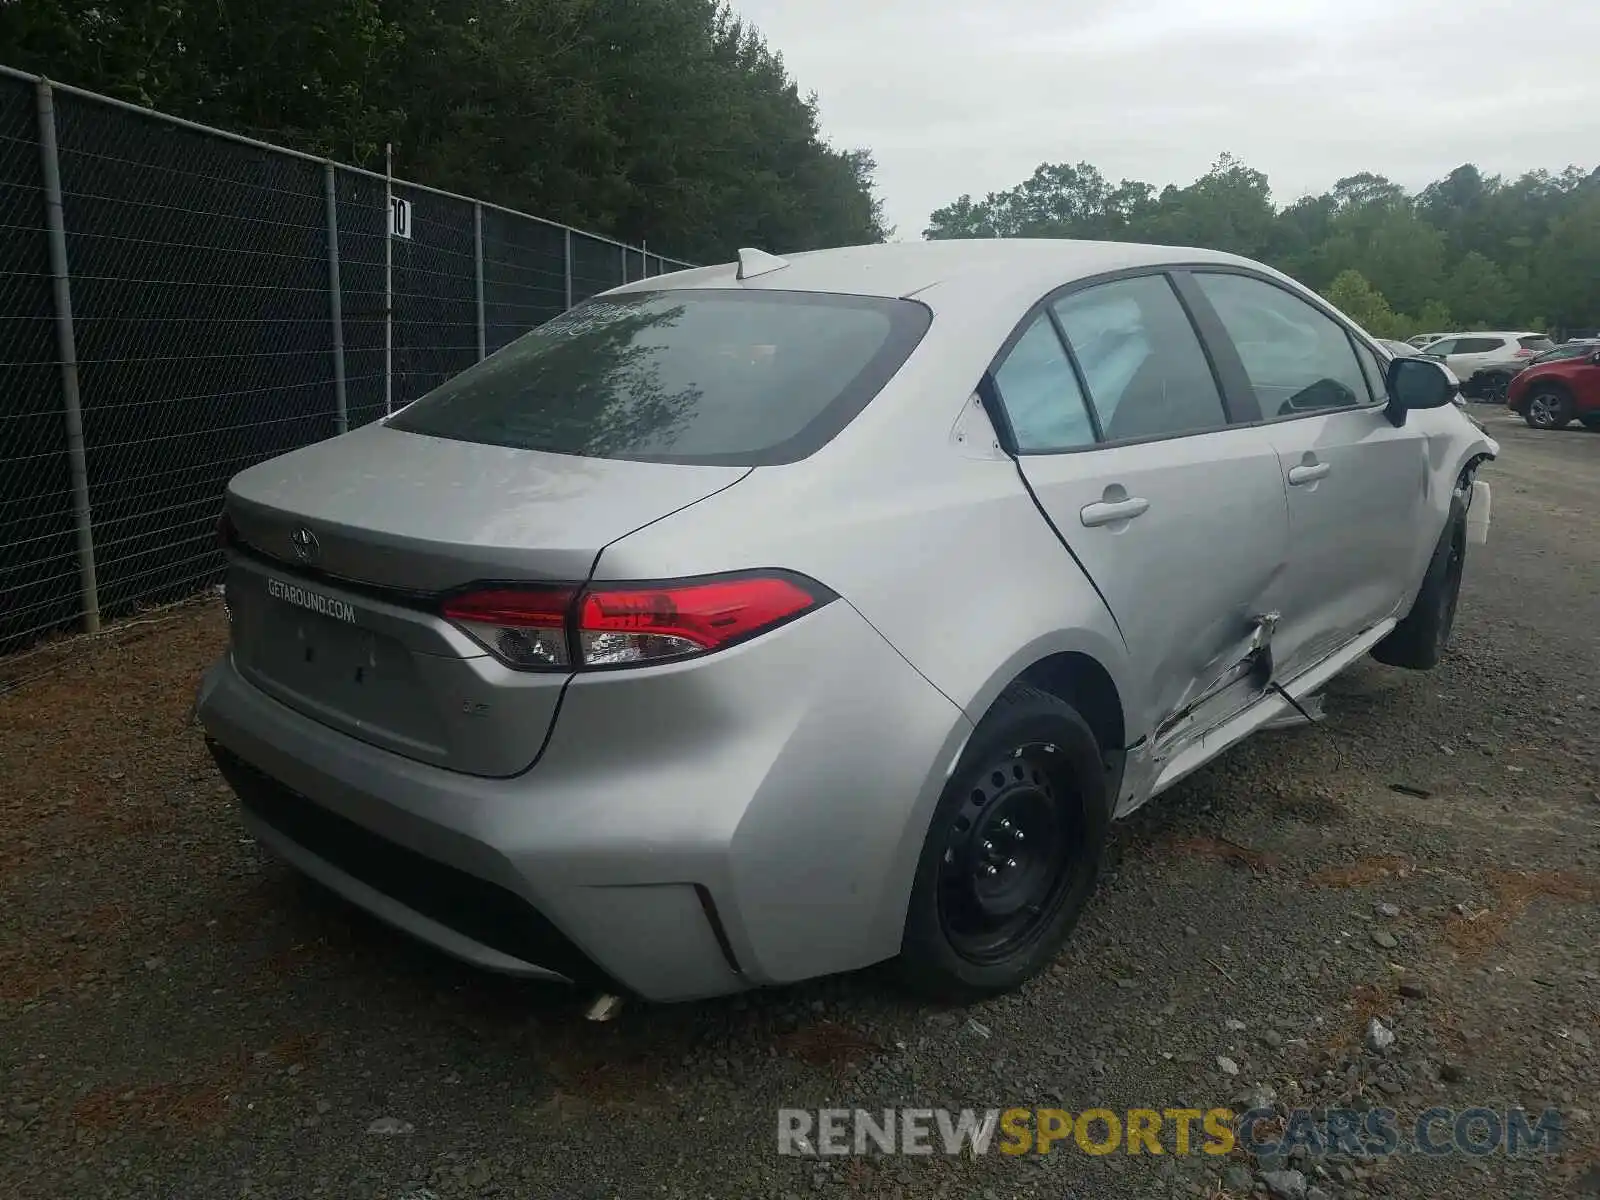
[1499, 333]
[903, 269]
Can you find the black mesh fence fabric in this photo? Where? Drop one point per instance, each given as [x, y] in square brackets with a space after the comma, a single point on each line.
[362, 225]
[435, 295]
[597, 265]
[203, 306]
[524, 274]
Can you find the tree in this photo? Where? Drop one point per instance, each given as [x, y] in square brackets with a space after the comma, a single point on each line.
[1434, 318]
[1568, 267]
[1352, 295]
[1227, 208]
[1492, 253]
[1479, 293]
[667, 121]
[1057, 201]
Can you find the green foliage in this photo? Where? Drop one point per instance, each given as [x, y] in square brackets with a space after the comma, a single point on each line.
[1435, 317]
[1354, 296]
[1567, 272]
[666, 121]
[1467, 251]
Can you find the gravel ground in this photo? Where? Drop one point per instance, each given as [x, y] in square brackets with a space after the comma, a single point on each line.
[182, 1017]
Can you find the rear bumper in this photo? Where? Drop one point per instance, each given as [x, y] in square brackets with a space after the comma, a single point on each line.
[689, 830]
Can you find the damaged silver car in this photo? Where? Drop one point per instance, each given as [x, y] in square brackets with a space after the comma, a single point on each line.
[779, 618]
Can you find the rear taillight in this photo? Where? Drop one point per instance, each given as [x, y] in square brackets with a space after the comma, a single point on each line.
[524, 627]
[621, 625]
[1525, 353]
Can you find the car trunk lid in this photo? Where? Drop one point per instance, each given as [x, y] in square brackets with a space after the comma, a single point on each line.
[345, 547]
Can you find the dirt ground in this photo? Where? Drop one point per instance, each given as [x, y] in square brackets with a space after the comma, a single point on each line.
[182, 1017]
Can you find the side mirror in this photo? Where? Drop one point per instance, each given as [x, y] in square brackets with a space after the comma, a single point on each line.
[1418, 383]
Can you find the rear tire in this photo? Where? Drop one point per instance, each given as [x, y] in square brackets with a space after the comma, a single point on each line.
[1012, 852]
[1549, 407]
[1420, 641]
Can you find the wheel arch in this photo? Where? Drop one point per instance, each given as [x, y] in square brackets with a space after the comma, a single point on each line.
[1080, 680]
[1086, 668]
[1552, 383]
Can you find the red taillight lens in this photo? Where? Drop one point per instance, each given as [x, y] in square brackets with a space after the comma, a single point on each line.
[619, 625]
[524, 627]
[1525, 353]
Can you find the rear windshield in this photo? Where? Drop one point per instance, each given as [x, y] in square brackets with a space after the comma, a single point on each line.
[1536, 343]
[718, 376]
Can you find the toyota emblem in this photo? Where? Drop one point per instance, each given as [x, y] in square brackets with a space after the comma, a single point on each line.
[304, 543]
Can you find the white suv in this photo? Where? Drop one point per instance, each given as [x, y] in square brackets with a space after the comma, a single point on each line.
[1487, 360]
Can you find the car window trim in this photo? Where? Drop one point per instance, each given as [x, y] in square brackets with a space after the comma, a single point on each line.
[1084, 396]
[987, 386]
[1378, 359]
[1239, 394]
[1352, 333]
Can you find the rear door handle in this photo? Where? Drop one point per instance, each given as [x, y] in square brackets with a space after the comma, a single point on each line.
[1304, 473]
[1107, 512]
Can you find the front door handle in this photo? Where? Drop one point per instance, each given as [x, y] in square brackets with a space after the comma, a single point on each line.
[1107, 512]
[1308, 473]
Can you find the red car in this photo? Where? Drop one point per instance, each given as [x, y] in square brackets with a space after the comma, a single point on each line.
[1553, 391]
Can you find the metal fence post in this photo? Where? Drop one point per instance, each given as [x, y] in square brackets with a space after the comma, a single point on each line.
[335, 297]
[67, 351]
[388, 279]
[623, 250]
[567, 260]
[477, 263]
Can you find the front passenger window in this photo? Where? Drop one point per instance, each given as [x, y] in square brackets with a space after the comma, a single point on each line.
[1298, 358]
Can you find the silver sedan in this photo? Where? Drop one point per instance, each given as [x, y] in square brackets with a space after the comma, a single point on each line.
[778, 618]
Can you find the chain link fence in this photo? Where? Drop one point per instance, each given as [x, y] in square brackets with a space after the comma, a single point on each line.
[177, 303]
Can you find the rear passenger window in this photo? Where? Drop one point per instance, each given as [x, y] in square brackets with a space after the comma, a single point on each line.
[1041, 394]
[1142, 363]
[1299, 359]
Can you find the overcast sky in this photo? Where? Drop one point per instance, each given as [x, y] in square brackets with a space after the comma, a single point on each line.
[958, 96]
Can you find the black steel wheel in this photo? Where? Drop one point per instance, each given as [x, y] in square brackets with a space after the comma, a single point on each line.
[1010, 853]
[1012, 850]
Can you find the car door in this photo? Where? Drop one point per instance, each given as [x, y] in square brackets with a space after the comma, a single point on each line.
[1355, 483]
[1471, 355]
[1582, 377]
[1177, 518]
